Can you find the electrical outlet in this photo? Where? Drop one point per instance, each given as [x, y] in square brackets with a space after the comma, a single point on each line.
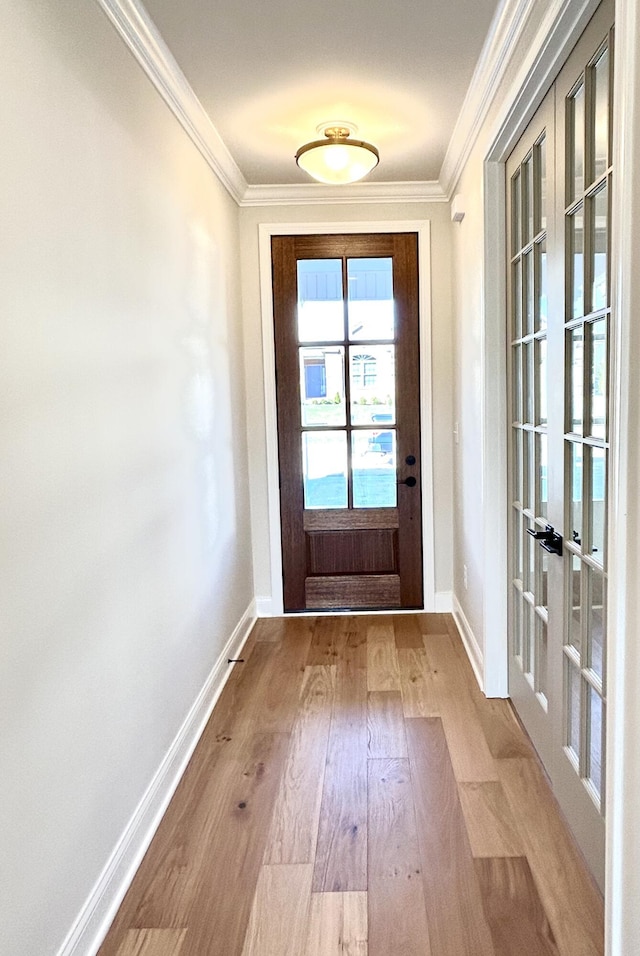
[464, 576]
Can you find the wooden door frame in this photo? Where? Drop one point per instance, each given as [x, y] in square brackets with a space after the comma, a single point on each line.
[548, 51]
[422, 228]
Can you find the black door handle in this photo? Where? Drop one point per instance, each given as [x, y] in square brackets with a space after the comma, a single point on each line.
[549, 539]
[411, 482]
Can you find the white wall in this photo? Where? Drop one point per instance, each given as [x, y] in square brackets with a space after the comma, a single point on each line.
[124, 515]
[470, 382]
[438, 214]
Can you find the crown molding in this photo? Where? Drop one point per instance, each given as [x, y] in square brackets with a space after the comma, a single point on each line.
[497, 53]
[309, 194]
[141, 35]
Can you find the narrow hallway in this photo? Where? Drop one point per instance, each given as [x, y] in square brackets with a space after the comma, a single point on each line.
[355, 793]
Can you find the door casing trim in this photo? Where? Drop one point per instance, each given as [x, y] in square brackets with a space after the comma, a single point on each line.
[422, 227]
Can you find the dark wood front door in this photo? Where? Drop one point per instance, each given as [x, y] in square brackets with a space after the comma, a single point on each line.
[347, 367]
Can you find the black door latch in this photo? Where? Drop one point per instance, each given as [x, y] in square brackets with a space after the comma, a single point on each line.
[549, 539]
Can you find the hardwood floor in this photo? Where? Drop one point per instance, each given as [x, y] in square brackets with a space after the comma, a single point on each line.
[354, 794]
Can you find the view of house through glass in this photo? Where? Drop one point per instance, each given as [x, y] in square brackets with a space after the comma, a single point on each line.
[347, 362]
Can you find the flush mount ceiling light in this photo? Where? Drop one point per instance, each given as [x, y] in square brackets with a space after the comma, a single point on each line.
[337, 159]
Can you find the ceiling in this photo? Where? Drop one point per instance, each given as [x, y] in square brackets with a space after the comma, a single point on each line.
[268, 72]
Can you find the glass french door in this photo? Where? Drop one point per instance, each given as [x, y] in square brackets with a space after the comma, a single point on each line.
[559, 184]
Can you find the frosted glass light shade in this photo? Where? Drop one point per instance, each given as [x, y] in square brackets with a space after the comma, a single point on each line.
[337, 159]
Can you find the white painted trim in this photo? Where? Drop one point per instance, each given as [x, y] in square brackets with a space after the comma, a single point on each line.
[423, 229]
[444, 602]
[622, 928]
[556, 36]
[141, 35]
[497, 52]
[471, 645]
[310, 194]
[494, 437]
[96, 916]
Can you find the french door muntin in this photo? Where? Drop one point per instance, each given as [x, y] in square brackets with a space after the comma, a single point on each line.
[559, 373]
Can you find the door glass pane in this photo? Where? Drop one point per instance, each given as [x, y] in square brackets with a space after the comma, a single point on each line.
[597, 622]
[517, 299]
[324, 469]
[530, 465]
[527, 198]
[541, 272]
[320, 302]
[599, 226]
[543, 597]
[517, 547]
[372, 378]
[598, 504]
[528, 637]
[517, 383]
[373, 457]
[527, 382]
[601, 110]
[575, 473]
[598, 387]
[530, 560]
[574, 593]
[596, 717]
[541, 653]
[542, 161]
[573, 682]
[370, 302]
[322, 385]
[516, 235]
[516, 636]
[518, 476]
[576, 159]
[542, 476]
[576, 271]
[542, 381]
[576, 372]
[529, 293]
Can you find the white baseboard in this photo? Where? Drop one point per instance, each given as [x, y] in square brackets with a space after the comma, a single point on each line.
[444, 602]
[470, 642]
[96, 916]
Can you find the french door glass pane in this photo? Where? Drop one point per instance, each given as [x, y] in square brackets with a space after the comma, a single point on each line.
[576, 276]
[576, 112]
[370, 299]
[601, 117]
[542, 167]
[597, 622]
[574, 589]
[528, 634]
[596, 716]
[573, 687]
[516, 237]
[517, 623]
[518, 555]
[373, 458]
[542, 656]
[598, 502]
[528, 198]
[599, 227]
[322, 385]
[529, 582]
[542, 381]
[518, 465]
[598, 385]
[541, 272]
[372, 377]
[542, 476]
[529, 497]
[527, 382]
[517, 299]
[320, 300]
[324, 469]
[576, 372]
[529, 293]
[575, 477]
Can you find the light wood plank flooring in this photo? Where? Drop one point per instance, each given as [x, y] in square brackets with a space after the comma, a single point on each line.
[354, 794]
